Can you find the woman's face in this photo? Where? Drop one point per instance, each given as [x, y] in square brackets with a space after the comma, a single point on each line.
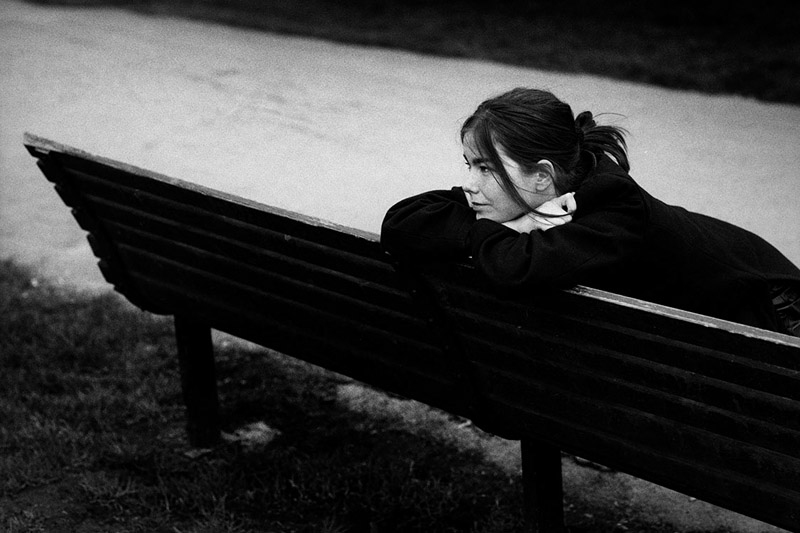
[483, 190]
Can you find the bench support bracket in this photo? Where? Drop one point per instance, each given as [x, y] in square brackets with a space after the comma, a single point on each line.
[543, 500]
[198, 381]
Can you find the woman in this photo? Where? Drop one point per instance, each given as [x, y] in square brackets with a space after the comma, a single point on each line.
[549, 203]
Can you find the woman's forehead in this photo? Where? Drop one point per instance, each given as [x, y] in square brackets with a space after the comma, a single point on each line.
[474, 149]
[471, 149]
[473, 152]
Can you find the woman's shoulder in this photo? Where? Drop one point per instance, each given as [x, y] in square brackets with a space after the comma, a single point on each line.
[608, 183]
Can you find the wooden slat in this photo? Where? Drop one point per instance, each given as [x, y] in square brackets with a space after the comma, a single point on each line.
[318, 263]
[306, 306]
[599, 333]
[324, 328]
[569, 373]
[630, 317]
[643, 421]
[778, 505]
[154, 187]
[729, 457]
[687, 388]
[415, 370]
[598, 349]
[258, 265]
[182, 221]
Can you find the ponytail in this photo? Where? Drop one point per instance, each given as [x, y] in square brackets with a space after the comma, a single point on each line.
[599, 140]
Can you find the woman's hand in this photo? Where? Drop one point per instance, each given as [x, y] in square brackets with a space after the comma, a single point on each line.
[563, 206]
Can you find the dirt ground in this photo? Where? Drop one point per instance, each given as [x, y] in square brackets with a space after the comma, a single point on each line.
[341, 132]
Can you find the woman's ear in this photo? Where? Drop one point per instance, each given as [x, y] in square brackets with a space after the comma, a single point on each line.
[545, 176]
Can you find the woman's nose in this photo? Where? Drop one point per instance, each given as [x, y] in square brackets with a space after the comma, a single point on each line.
[471, 183]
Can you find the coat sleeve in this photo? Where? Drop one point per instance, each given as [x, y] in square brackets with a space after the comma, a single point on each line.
[432, 226]
[607, 230]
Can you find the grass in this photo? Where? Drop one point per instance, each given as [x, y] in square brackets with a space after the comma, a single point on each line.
[92, 439]
[92, 413]
[714, 46]
[91, 408]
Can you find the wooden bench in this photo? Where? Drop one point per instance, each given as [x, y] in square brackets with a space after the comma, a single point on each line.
[705, 407]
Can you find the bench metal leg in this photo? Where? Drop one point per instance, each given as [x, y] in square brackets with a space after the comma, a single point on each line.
[198, 381]
[543, 497]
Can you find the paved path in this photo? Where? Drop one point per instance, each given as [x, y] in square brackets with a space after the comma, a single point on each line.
[334, 131]
[341, 132]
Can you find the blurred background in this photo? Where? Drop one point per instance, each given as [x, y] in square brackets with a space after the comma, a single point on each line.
[714, 46]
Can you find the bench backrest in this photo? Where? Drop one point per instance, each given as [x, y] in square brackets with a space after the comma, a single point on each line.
[700, 405]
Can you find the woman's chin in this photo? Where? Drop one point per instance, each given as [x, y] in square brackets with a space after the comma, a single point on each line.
[490, 216]
[494, 216]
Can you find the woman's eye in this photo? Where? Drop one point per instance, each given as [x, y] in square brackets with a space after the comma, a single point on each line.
[481, 168]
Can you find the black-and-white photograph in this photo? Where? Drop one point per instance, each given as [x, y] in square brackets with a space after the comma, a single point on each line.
[399, 266]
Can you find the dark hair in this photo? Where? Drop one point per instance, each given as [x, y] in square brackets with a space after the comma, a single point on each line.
[531, 125]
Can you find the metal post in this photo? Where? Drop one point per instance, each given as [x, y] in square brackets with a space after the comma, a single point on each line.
[542, 489]
[198, 381]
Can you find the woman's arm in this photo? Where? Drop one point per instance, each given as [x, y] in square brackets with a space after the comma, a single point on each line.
[562, 207]
[432, 226]
[606, 231]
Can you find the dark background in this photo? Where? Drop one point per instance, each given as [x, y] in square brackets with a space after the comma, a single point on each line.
[750, 49]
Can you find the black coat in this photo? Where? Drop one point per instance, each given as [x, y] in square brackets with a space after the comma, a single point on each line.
[620, 239]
